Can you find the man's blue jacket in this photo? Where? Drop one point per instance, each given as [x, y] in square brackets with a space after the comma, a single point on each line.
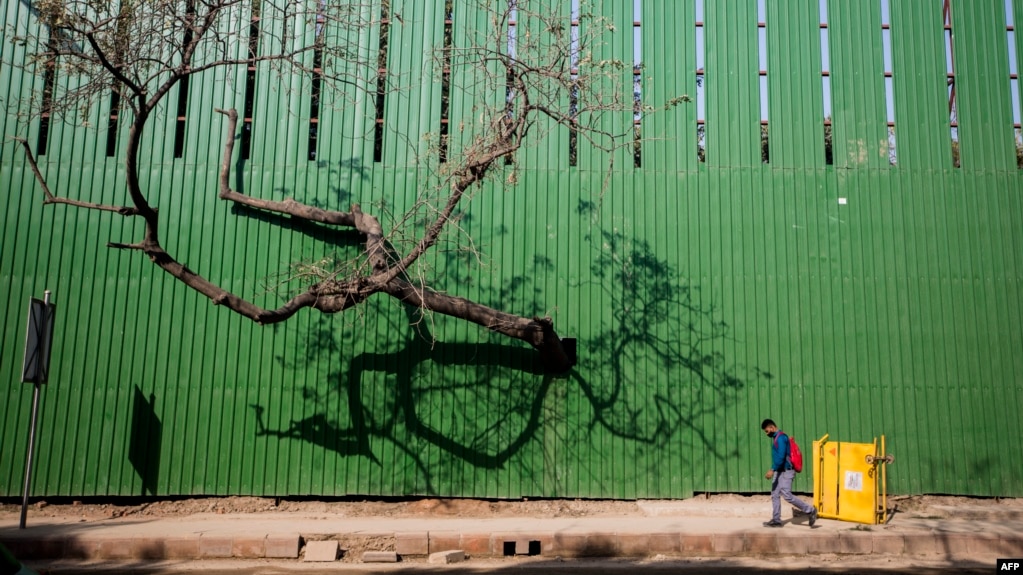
[780, 452]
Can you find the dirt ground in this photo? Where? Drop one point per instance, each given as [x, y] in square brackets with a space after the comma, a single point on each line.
[94, 508]
[427, 507]
[731, 505]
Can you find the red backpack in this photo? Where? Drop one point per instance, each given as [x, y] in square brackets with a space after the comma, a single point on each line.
[795, 455]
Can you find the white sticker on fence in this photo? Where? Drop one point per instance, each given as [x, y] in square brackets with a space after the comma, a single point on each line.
[854, 481]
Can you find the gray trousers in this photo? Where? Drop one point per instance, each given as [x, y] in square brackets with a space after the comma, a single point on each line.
[781, 487]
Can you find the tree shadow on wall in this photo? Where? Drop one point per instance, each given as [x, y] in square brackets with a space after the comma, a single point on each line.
[339, 197]
[653, 374]
[417, 376]
[656, 327]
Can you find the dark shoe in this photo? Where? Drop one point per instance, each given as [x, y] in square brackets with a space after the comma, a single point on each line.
[813, 517]
[773, 524]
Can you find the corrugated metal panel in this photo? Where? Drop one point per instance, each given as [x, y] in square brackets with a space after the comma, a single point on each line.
[733, 87]
[857, 84]
[704, 297]
[795, 90]
[982, 85]
[669, 28]
[920, 82]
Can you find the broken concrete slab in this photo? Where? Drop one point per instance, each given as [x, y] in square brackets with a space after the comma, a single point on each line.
[321, 551]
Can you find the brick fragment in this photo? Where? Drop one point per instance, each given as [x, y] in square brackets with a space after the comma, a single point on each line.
[450, 556]
[379, 557]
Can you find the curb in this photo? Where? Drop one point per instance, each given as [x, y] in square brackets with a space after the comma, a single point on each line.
[755, 543]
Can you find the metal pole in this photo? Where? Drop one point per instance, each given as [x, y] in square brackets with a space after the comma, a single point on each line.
[884, 484]
[28, 459]
[32, 428]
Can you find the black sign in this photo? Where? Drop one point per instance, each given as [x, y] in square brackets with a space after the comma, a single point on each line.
[38, 341]
[1010, 565]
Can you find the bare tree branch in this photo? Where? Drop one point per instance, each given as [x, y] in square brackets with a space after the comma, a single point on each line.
[49, 198]
[146, 49]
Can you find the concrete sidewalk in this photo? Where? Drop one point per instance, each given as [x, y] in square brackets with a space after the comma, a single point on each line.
[669, 529]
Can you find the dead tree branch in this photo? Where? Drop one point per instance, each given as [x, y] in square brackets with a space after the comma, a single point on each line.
[143, 50]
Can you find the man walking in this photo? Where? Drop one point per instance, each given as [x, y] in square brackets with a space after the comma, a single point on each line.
[782, 474]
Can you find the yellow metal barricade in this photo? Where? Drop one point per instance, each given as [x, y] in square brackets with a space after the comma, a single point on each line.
[849, 480]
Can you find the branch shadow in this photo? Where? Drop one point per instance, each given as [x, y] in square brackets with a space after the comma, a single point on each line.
[397, 419]
[319, 430]
[338, 196]
[323, 233]
[657, 319]
[485, 404]
[488, 446]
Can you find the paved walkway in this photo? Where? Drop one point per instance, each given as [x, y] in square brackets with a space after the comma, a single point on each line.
[669, 529]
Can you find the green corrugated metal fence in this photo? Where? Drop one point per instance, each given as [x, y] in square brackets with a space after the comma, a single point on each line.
[855, 298]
